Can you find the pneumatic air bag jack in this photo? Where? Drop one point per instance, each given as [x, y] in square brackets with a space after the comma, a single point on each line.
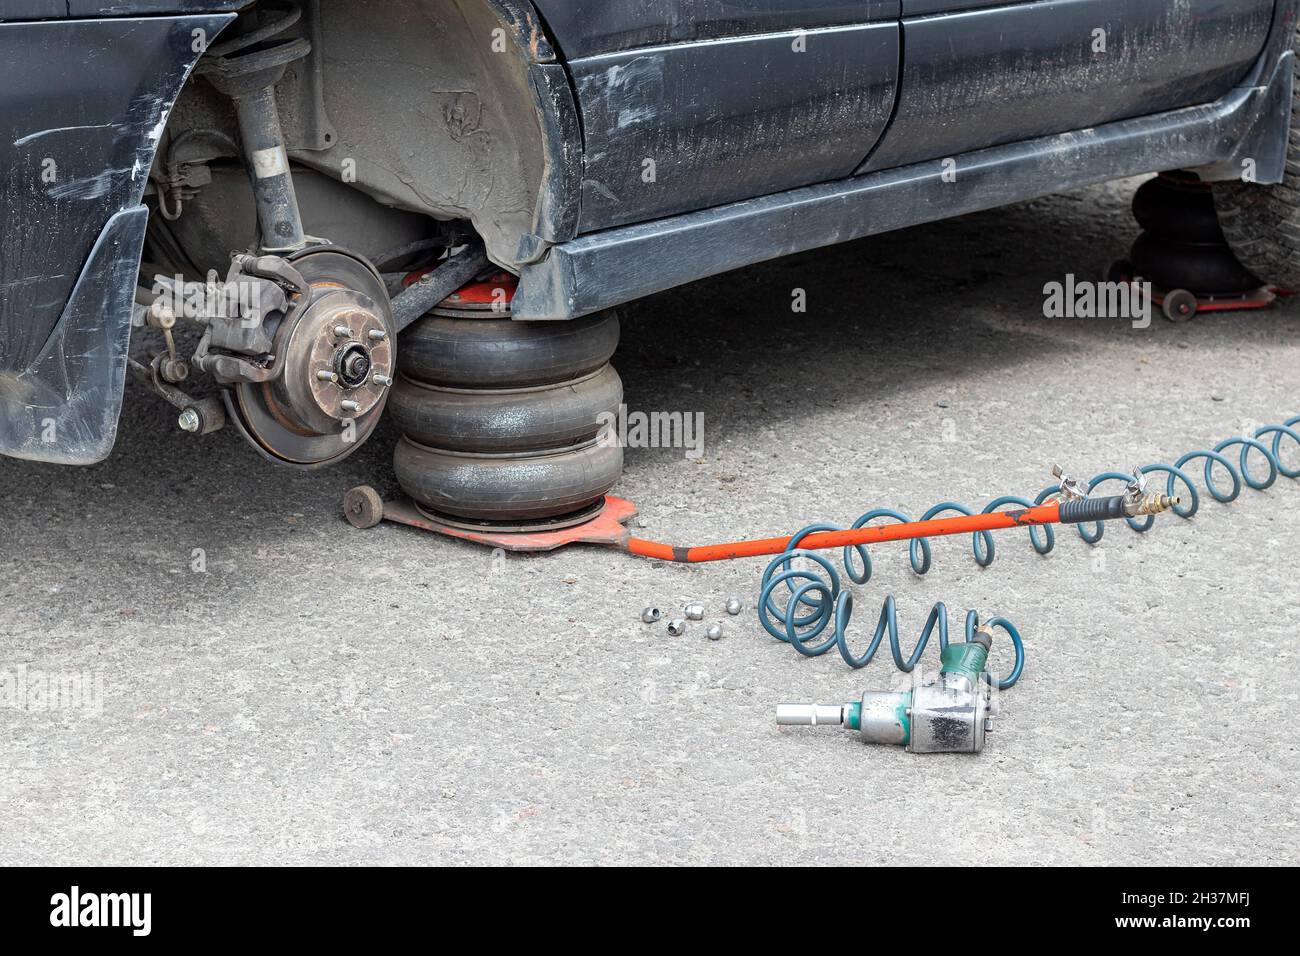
[797, 604]
[502, 421]
[1183, 254]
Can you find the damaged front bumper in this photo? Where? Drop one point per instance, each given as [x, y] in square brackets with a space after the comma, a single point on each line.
[83, 106]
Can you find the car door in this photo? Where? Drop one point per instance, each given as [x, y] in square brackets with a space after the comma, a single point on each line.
[981, 73]
[687, 104]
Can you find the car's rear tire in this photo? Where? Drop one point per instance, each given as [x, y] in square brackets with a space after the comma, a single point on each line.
[1262, 223]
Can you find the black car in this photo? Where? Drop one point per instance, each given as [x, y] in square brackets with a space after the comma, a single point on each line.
[433, 206]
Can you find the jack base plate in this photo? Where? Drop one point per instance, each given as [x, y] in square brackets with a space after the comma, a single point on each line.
[605, 527]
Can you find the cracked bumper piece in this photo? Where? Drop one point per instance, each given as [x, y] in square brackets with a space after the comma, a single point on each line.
[64, 406]
[76, 146]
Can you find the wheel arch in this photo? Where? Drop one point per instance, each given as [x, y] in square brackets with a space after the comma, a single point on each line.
[457, 109]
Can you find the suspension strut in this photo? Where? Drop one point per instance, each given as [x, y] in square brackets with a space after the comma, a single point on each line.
[246, 69]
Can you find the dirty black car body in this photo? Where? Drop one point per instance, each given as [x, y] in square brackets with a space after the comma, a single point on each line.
[600, 150]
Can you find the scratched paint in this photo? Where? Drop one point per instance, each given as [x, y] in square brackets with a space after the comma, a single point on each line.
[686, 126]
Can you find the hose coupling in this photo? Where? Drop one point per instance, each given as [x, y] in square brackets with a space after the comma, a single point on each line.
[1138, 502]
[1152, 504]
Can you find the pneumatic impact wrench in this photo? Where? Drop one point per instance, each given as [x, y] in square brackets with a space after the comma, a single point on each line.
[945, 713]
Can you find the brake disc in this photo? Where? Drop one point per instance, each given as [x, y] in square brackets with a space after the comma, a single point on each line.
[339, 352]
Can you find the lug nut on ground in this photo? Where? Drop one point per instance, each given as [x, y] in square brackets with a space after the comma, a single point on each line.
[677, 627]
[694, 612]
[714, 632]
[733, 605]
[650, 615]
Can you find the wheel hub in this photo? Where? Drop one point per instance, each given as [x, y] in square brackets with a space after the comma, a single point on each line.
[340, 359]
[353, 364]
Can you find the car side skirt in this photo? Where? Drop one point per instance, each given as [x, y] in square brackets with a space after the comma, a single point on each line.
[608, 268]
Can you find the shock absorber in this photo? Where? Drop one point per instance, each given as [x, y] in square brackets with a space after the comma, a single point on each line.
[246, 69]
[949, 712]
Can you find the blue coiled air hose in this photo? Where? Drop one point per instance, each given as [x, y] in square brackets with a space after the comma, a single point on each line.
[816, 602]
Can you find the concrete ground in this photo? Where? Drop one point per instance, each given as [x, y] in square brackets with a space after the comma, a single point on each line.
[268, 685]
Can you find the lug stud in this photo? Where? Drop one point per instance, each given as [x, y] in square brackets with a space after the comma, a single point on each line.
[325, 375]
[342, 332]
[349, 406]
[377, 335]
[383, 380]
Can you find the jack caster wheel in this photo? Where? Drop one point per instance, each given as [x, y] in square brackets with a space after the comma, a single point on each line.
[363, 507]
[1179, 305]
